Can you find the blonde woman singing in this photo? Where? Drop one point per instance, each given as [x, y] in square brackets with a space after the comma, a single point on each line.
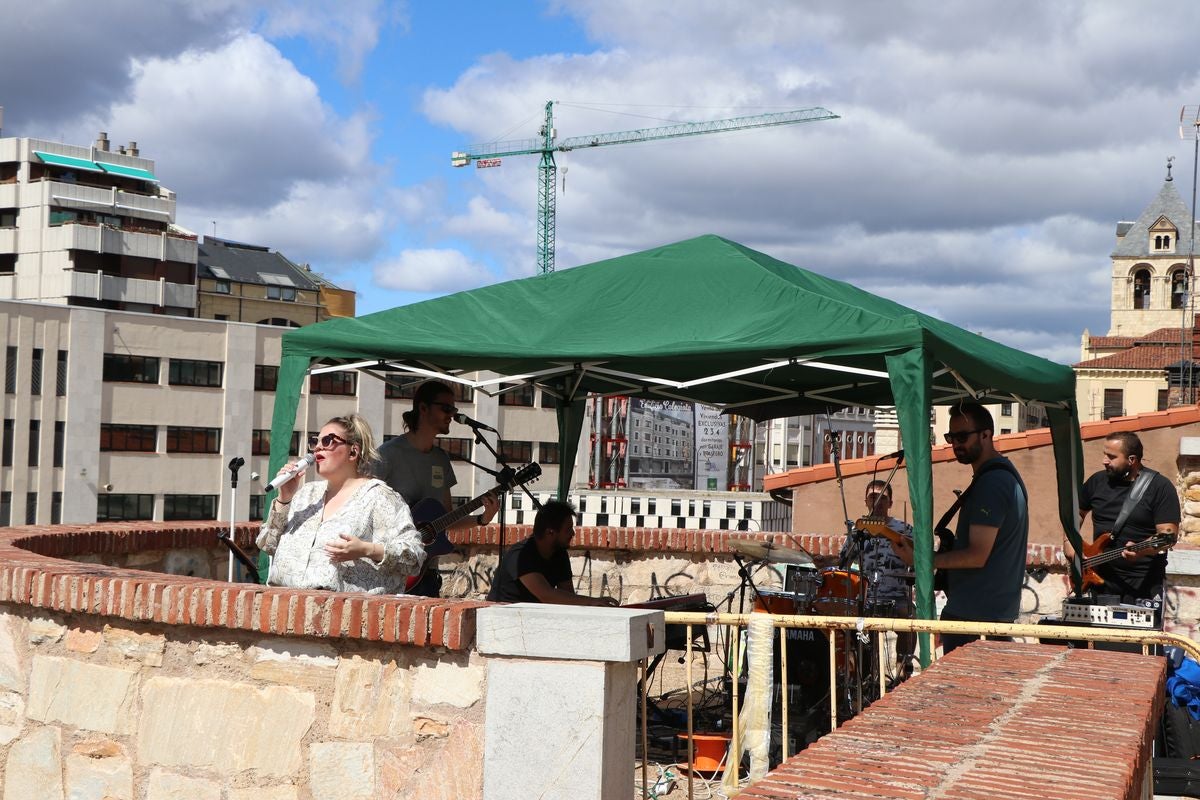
[346, 531]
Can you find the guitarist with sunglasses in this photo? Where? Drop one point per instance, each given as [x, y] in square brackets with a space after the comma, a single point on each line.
[1135, 517]
[985, 569]
[418, 469]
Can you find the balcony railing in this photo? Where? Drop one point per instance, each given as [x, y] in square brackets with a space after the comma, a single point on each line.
[71, 195]
[162, 246]
[112, 288]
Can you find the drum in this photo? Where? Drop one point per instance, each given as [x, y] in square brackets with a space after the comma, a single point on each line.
[880, 608]
[803, 579]
[769, 601]
[838, 594]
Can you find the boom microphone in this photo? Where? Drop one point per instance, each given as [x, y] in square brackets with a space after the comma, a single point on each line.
[463, 419]
[297, 469]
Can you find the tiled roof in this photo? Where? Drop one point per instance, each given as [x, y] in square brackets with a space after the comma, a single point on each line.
[1161, 335]
[247, 263]
[1147, 356]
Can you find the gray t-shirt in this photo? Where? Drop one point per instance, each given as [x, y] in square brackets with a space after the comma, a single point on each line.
[415, 475]
[992, 593]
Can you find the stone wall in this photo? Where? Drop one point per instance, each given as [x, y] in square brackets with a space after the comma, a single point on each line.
[116, 682]
[100, 707]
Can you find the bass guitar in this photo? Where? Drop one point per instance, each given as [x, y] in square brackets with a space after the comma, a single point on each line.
[1095, 554]
[432, 519]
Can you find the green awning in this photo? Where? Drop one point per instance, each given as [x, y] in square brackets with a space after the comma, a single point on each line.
[68, 161]
[129, 172]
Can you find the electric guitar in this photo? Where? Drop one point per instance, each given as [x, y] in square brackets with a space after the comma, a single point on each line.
[1095, 554]
[432, 519]
[877, 526]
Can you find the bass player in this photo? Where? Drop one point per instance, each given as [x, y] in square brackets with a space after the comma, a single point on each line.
[418, 469]
[1145, 530]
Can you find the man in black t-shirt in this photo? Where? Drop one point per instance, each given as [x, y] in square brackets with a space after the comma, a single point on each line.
[538, 569]
[1139, 573]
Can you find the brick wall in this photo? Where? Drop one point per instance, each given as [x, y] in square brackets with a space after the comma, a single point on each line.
[993, 720]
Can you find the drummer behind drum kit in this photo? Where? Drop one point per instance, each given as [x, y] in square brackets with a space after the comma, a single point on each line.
[831, 592]
[810, 590]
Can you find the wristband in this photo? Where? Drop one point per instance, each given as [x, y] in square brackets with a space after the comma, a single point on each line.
[283, 502]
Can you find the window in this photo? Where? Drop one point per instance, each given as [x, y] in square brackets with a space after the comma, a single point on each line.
[260, 442]
[1141, 289]
[548, 452]
[266, 377]
[10, 371]
[60, 437]
[56, 508]
[294, 447]
[1005, 430]
[1164, 399]
[5, 509]
[339, 383]
[117, 507]
[258, 507]
[1179, 288]
[186, 372]
[518, 452]
[223, 287]
[35, 373]
[284, 293]
[6, 449]
[193, 440]
[548, 400]
[130, 369]
[31, 508]
[35, 435]
[128, 438]
[189, 506]
[1114, 403]
[520, 396]
[455, 446]
[8, 217]
[1006, 409]
[60, 389]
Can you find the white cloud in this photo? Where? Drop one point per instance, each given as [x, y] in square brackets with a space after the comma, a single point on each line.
[431, 270]
[984, 155]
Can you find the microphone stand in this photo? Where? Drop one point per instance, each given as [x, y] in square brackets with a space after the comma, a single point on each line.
[505, 476]
[227, 538]
[834, 437]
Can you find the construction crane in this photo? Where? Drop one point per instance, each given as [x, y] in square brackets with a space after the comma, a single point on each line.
[489, 155]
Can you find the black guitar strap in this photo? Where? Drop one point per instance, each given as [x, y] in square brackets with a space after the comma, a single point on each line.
[958, 501]
[1136, 492]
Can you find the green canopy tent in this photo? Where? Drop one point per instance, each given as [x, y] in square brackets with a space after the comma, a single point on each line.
[704, 320]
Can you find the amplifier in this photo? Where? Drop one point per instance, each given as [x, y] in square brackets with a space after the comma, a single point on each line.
[1118, 615]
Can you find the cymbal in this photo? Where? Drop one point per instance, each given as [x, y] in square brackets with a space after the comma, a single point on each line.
[767, 551]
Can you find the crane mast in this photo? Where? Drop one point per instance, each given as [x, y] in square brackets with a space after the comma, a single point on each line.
[489, 155]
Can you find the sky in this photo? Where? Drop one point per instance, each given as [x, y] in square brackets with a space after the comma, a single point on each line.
[983, 154]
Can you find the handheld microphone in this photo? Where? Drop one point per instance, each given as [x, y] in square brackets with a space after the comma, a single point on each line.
[463, 419]
[898, 455]
[297, 469]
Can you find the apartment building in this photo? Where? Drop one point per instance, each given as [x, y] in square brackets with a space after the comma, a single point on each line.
[125, 415]
[250, 283]
[91, 226]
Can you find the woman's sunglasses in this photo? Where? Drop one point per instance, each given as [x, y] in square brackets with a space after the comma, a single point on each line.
[328, 441]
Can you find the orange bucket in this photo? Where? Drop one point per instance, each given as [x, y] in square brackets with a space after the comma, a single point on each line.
[708, 751]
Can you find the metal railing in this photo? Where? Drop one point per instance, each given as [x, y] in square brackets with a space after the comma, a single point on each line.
[859, 627]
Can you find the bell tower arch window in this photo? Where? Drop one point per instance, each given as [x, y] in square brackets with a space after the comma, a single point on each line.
[1141, 289]
[1179, 288]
